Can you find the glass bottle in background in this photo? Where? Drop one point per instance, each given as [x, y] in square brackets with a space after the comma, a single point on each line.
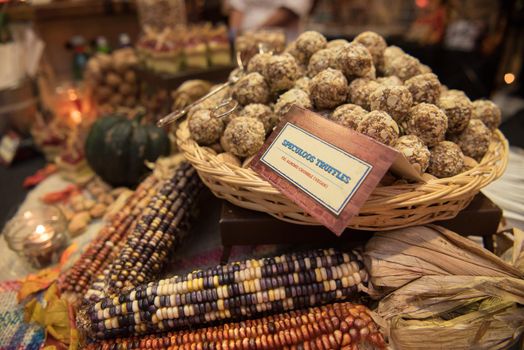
[124, 40]
[102, 45]
[80, 56]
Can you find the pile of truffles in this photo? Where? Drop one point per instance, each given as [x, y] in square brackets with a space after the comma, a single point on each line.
[365, 85]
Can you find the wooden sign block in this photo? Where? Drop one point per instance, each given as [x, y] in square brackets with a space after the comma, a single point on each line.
[326, 169]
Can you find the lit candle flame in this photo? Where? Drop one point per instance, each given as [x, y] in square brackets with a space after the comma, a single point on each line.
[76, 116]
[41, 234]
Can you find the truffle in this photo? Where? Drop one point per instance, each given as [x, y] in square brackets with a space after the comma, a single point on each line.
[487, 112]
[243, 136]
[204, 128]
[424, 69]
[415, 151]
[251, 88]
[229, 158]
[354, 60]
[446, 160]
[359, 91]
[292, 97]
[474, 140]
[328, 89]
[427, 122]
[390, 81]
[404, 66]
[299, 56]
[394, 100]
[336, 43]
[458, 109]
[322, 59]
[310, 42]
[282, 72]
[385, 64]
[374, 43]
[303, 84]
[380, 126]
[262, 113]
[349, 115]
[259, 63]
[424, 88]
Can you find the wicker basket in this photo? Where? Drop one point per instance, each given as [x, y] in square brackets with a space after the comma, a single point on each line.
[387, 208]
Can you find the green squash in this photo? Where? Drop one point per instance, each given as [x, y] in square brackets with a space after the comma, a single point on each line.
[117, 148]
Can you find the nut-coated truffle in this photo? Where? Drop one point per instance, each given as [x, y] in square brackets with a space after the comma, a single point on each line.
[424, 88]
[446, 160]
[299, 56]
[336, 43]
[354, 60]
[385, 66]
[488, 112]
[328, 89]
[259, 63]
[374, 43]
[404, 66]
[415, 151]
[458, 109]
[390, 81]
[427, 122]
[261, 112]
[204, 128]
[348, 115]
[243, 136]
[359, 91]
[474, 140]
[379, 126]
[303, 84]
[292, 97]
[394, 100]
[310, 42]
[322, 59]
[282, 72]
[251, 88]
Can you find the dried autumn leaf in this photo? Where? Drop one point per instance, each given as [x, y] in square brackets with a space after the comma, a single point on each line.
[34, 312]
[37, 282]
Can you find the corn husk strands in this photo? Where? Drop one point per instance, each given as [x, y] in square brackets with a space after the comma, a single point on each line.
[442, 291]
[437, 295]
[495, 325]
[395, 258]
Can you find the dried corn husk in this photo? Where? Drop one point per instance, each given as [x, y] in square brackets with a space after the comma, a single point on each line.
[395, 258]
[447, 292]
[436, 295]
[495, 325]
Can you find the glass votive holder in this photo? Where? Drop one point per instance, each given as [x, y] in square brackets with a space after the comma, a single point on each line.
[38, 235]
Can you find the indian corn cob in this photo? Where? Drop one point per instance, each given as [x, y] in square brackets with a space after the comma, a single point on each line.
[162, 224]
[99, 253]
[228, 292]
[335, 326]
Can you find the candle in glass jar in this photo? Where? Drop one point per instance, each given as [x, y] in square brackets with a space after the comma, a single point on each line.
[41, 248]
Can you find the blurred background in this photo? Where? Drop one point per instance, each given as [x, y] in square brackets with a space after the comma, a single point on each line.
[54, 59]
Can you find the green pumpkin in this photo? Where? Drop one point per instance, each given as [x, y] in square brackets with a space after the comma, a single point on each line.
[117, 148]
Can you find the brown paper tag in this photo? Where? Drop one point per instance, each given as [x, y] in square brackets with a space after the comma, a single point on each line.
[326, 169]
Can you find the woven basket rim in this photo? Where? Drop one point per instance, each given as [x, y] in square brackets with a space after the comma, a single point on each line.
[252, 180]
[388, 207]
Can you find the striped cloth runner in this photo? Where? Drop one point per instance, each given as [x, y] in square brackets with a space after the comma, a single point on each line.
[14, 333]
